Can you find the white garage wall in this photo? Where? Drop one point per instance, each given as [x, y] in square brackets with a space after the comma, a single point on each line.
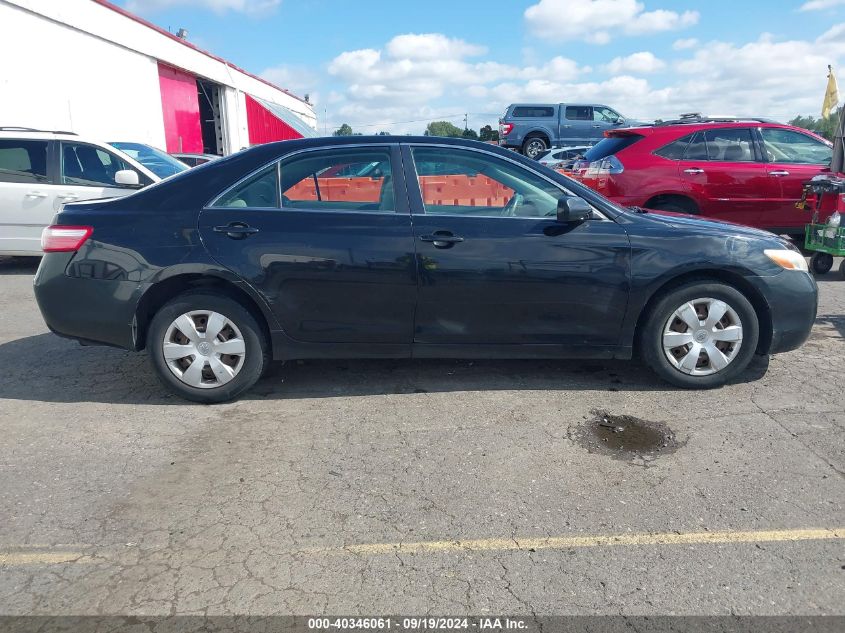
[57, 78]
[84, 66]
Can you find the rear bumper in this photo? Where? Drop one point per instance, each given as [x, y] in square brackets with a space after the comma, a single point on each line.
[793, 300]
[89, 310]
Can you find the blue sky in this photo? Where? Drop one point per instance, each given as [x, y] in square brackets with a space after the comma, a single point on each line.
[396, 65]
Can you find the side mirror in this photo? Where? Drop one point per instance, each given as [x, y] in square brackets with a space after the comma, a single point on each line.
[127, 178]
[571, 209]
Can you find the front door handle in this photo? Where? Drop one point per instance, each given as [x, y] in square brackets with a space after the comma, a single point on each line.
[596, 126]
[779, 172]
[68, 196]
[236, 230]
[694, 170]
[442, 239]
[36, 194]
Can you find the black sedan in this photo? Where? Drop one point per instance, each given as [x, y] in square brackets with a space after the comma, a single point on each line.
[443, 248]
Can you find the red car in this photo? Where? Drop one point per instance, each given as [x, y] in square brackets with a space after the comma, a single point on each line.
[746, 171]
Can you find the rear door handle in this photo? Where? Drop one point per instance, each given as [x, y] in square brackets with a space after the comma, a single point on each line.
[694, 170]
[596, 126]
[442, 239]
[68, 196]
[236, 230]
[36, 194]
[779, 172]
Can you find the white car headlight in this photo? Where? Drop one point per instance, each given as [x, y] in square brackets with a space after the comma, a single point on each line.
[788, 259]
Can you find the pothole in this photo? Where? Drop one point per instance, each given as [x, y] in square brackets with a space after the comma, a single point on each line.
[626, 437]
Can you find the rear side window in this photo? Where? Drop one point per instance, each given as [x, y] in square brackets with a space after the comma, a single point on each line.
[532, 112]
[343, 179]
[675, 150]
[730, 145]
[23, 161]
[611, 145]
[261, 191]
[579, 113]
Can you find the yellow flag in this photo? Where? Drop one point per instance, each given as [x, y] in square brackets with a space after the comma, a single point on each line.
[831, 95]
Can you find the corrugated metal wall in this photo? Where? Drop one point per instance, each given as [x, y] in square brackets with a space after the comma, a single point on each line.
[181, 110]
[264, 126]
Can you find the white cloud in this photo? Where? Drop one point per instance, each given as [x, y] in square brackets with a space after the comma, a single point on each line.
[684, 44]
[252, 7]
[763, 77]
[637, 63]
[595, 20]
[413, 67]
[430, 46]
[819, 5]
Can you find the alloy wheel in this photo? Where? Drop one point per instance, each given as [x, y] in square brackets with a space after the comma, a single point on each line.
[702, 336]
[204, 349]
[534, 147]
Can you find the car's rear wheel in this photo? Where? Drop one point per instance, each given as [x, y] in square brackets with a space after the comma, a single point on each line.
[206, 347]
[534, 146]
[821, 263]
[700, 335]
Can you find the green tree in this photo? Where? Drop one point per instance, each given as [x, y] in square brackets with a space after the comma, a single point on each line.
[822, 127]
[470, 134]
[343, 130]
[443, 128]
[383, 133]
[485, 133]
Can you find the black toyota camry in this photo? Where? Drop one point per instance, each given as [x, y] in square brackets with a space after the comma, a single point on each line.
[399, 247]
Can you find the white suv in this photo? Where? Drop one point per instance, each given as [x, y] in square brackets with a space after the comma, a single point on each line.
[40, 171]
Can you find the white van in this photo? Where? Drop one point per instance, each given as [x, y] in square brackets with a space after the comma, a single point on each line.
[40, 171]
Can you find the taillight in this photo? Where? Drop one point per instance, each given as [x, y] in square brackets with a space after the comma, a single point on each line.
[505, 129]
[63, 239]
[607, 165]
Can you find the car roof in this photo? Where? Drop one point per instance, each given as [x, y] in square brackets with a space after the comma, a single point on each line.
[674, 128]
[25, 132]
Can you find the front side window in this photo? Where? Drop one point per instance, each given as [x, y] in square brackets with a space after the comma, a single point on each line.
[353, 179]
[23, 161]
[260, 191]
[88, 165]
[788, 146]
[579, 113]
[605, 115]
[464, 182]
[730, 145]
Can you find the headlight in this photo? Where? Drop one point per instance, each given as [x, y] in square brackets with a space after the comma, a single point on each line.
[788, 259]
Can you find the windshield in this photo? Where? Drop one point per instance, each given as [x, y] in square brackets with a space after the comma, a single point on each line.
[158, 162]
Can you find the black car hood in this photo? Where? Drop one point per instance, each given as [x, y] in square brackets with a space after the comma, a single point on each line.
[682, 221]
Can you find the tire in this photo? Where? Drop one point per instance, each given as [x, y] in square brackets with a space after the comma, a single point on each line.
[208, 375]
[695, 374]
[675, 206]
[534, 146]
[842, 268]
[821, 263]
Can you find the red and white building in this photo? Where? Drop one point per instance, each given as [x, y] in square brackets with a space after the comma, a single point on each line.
[91, 67]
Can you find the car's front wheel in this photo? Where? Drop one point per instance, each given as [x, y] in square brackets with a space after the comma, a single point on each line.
[206, 347]
[700, 335]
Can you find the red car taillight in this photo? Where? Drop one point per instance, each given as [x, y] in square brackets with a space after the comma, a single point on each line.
[505, 129]
[64, 239]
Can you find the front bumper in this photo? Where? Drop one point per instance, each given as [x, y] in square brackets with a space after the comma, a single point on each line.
[792, 298]
[99, 311]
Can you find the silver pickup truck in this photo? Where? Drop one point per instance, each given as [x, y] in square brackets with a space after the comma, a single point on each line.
[532, 128]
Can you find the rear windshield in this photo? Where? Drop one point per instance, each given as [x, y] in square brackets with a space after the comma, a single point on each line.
[611, 145]
[533, 112]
